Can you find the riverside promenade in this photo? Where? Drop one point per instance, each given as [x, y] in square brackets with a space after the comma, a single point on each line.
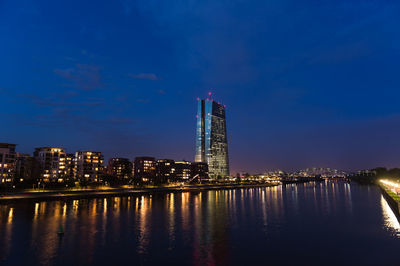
[74, 193]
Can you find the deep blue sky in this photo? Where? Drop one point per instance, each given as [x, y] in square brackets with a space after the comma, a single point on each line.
[306, 83]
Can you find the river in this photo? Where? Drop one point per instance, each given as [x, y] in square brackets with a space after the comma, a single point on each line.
[325, 223]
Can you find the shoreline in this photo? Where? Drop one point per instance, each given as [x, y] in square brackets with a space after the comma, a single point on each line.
[116, 192]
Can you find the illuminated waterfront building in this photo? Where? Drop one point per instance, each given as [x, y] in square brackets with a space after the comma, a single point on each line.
[25, 167]
[7, 162]
[200, 169]
[165, 170]
[145, 169]
[182, 170]
[121, 168]
[88, 166]
[69, 165]
[52, 164]
[211, 138]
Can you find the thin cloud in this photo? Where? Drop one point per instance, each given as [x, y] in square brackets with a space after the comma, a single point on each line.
[61, 100]
[147, 76]
[142, 100]
[83, 77]
[67, 118]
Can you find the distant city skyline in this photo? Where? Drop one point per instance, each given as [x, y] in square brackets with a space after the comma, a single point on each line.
[69, 156]
[121, 78]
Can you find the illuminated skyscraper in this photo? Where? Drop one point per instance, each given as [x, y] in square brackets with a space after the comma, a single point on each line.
[211, 139]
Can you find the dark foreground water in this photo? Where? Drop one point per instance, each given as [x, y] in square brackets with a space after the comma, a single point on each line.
[330, 223]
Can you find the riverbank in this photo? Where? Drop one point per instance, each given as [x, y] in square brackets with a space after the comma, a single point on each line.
[50, 195]
[392, 198]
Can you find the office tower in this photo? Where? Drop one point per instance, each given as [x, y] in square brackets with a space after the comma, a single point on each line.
[7, 162]
[88, 166]
[211, 138]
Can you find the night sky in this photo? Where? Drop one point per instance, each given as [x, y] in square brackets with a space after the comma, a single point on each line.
[313, 85]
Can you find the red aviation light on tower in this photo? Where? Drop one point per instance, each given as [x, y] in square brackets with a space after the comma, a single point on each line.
[210, 96]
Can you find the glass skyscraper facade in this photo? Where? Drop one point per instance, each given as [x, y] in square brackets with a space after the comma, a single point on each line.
[211, 139]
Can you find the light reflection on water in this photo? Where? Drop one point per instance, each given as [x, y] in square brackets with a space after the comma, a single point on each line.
[200, 228]
[390, 220]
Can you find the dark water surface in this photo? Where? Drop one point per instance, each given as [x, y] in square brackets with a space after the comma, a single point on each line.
[327, 223]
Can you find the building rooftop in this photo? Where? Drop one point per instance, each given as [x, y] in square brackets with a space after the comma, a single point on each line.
[7, 145]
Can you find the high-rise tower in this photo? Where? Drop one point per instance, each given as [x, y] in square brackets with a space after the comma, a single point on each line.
[211, 139]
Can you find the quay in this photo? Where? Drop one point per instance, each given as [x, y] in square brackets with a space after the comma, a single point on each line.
[49, 195]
